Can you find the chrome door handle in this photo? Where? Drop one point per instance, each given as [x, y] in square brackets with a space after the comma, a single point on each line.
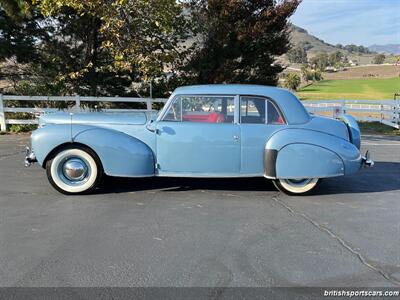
[236, 138]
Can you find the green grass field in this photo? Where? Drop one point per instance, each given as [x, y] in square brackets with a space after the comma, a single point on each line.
[368, 89]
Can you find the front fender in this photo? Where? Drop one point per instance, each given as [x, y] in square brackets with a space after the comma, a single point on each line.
[119, 153]
[304, 153]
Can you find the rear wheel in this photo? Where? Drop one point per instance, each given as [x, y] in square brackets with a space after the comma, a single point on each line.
[296, 186]
[74, 170]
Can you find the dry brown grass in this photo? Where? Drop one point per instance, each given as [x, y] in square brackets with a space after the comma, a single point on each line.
[364, 72]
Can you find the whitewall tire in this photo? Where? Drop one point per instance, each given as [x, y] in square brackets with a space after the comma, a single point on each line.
[74, 170]
[296, 186]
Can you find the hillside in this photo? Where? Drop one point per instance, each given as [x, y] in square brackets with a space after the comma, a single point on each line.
[300, 36]
[314, 45]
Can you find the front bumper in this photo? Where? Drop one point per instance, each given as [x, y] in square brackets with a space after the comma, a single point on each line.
[30, 157]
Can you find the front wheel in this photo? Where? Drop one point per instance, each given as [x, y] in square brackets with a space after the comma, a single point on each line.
[74, 170]
[296, 186]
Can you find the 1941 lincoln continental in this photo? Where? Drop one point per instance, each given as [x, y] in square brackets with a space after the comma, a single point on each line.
[202, 131]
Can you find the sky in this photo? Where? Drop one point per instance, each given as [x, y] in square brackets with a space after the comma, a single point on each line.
[361, 22]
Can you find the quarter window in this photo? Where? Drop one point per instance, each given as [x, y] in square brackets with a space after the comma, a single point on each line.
[274, 116]
[202, 109]
[253, 110]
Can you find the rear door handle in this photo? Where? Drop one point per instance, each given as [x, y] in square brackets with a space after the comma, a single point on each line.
[236, 138]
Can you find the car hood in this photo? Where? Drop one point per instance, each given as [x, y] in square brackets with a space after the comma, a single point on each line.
[97, 118]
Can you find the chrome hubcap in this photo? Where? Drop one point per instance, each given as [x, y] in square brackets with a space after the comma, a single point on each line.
[75, 169]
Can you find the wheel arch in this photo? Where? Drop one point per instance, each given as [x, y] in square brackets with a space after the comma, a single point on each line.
[63, 146]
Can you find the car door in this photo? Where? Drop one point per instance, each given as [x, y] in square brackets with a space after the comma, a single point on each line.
[198, 136]
[259, 119]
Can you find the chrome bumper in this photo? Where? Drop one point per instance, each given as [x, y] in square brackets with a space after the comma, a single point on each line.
[30, 157]
[367, 161]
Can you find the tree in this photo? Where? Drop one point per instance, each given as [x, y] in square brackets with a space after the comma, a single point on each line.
[317, 75]
[88, 47]
[58, 55]
[297, 55]
[145, 37]
[310, 75]
[379, 59]
[239, 40]
[320, 61]
[335, 58]
[292, 81]
[98, 47]
[359, 49]
[19, 30]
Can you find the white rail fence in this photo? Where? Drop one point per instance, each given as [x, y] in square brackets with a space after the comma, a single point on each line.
[384, 111]
[76, 102]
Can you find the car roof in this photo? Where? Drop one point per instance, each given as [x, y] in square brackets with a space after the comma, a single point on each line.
[294, 111]
[231, 89]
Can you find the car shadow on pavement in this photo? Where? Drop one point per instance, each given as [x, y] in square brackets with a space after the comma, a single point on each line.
[176, 184]
[385, 176]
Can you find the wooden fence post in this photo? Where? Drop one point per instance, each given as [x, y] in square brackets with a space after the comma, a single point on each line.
[3, 126]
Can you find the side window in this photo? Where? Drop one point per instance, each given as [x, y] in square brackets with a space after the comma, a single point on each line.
[252, 110]
[202, 109]
[274, 115]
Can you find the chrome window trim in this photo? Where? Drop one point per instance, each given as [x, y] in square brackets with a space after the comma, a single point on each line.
[236, 111]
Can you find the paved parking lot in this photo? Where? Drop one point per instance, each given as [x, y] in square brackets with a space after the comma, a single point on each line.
[197, 232]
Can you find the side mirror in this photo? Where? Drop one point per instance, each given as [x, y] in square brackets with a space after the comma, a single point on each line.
[151, 126]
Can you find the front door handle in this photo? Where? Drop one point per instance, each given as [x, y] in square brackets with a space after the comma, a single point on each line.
[236, 138]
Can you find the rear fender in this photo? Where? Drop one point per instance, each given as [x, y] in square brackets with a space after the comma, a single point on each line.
[307, 161]
[353, 128]
[304, 153]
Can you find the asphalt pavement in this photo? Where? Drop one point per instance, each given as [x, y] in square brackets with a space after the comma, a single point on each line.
[173, 232]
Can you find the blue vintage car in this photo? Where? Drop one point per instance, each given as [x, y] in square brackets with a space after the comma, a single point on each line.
[202, 131]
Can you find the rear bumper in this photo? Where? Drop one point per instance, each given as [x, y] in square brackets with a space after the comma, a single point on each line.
[30, 157]
[366, 160]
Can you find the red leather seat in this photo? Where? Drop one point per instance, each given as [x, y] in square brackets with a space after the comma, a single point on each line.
[208, 118]
[215, 118]
[280, 120]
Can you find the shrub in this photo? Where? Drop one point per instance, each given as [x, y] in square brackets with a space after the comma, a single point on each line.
[292, 81]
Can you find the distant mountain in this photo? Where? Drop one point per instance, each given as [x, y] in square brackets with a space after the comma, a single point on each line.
[388, 48]
[313, 45]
